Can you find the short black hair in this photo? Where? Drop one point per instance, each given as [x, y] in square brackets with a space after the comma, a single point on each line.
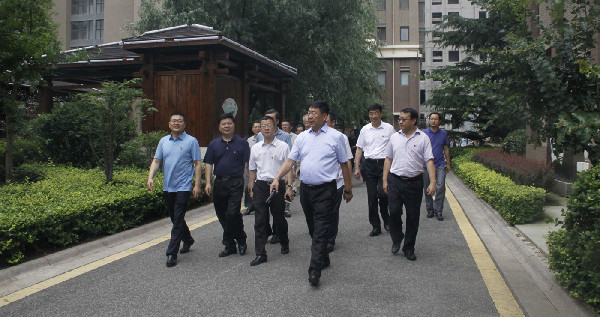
[376, 106]
[413, 113]
[270, 111]
[224, 116]
[332, 117]
[322, 105]
[438, 114]
[268, 118]
[255, 122]
[177, 113]
[286, 120]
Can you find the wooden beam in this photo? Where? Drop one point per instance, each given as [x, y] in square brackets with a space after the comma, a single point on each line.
[263, 76]
[222, 71]
[264, 87]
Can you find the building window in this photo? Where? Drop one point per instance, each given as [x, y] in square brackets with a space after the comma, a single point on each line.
[99, 29]
[404, 79]
[404, 33]
[81, 30]
[482, 14]
[381, 33]
[381, 5]
[453, 56]
[81, 6]
[403, 4]
[99, 6]
[452, 1]
[422, 74]
[436, 17]
[421, 12]
[453, 13]
[437, 56]
[381, 78]
[436, 2]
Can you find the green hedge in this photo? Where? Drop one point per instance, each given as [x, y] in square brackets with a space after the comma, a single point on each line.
[72, 205]
[26, 150]
[575, 248]
[516, 203]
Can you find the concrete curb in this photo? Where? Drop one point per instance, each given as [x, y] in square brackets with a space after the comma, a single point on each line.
[490, 225]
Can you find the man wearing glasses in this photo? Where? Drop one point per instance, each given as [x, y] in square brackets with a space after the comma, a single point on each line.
[180, 154]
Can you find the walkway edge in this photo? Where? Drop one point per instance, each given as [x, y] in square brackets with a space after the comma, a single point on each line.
[480, 214]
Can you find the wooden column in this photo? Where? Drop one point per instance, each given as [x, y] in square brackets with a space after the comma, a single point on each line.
[149, 123]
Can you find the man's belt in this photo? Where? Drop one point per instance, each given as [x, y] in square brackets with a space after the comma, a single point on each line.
[408, 179]
[375, 160]
[269, 182]
[318, 186]
[226, 178]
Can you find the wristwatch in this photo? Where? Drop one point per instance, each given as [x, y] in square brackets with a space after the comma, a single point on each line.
[349, 192]
[290, 186]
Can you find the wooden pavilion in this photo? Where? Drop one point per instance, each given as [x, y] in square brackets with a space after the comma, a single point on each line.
[190, 68]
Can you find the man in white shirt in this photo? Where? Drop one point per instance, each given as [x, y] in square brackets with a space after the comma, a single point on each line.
[266, 157]
[251, 141]
[371, 143]
[406, 153]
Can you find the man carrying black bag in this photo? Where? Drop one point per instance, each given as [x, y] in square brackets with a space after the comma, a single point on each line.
[266, 158]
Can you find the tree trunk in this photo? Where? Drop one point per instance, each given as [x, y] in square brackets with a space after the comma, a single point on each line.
[10, 146]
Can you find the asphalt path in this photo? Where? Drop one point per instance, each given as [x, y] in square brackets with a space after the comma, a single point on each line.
[365, 278]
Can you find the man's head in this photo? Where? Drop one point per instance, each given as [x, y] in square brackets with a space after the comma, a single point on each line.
[305, 122]
[317, 114]
[226, 124]
[268, 127]
[299, 129]
[286, 125]
[435, 119]
[331, 120]
[255, 127]
[177, 122]
[407, 118]
[274, 114]
[375, 113]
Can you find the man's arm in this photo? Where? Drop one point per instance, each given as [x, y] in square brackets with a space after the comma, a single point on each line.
[447, 158]
[284, 169]
[431, 172]
[251, 180]
[207, 174]
[359, 152]
[346, 172]
[153, 169]
[197, 178]
[387, 165]
[289, 181]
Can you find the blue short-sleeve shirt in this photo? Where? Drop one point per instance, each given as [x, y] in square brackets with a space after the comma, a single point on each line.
[228, 158]
[438, 140]
[178, 156]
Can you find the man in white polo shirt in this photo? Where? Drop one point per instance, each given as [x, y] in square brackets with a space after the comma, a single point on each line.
[372, 142]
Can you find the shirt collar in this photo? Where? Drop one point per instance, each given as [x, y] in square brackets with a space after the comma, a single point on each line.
[324, 128]
[416, 132]
[273, 143]
[181, 137]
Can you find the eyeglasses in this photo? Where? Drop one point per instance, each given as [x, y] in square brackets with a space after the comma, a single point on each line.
[267, 125]
[177, 121]
[403, 119]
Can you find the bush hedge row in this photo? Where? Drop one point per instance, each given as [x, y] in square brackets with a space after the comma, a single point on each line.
[575, 248]
[71, 205]
[516, 203]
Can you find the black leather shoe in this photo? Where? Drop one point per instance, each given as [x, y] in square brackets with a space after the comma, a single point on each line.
[274, 239]
[439, 217]
[313, 278]
[326, 263]
[395, 248]
[227, 252]
[287, 214]
[243, 248]
[430, 214]
[258, 260]
[285, 248]
[410, 255]
[375, 232]
[186, 246]
[171, 260]
[387, 227]
[248, 211]
[330, 247]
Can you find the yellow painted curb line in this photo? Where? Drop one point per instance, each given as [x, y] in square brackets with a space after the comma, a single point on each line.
[18, 295]
[501, 296]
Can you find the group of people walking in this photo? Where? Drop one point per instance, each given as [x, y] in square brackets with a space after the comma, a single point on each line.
[397, 168]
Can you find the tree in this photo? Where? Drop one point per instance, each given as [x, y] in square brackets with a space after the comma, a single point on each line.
[28, 51]
[542, 80]
[326, 40]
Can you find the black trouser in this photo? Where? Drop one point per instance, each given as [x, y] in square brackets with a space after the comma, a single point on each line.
[176, 207]
[407, 192]
[261, 215]
[373, 175]
[317, 203]
[335, 217]
[227, 198]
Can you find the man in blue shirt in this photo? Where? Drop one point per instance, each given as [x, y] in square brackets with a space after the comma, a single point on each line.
[180, 155]
[229, 154]
[441, 158]
[322, 151]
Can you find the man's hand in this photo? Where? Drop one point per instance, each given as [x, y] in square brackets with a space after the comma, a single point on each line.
[274, 186]
[430, 189]
[384, 185]
[250, 187]
[207, 189]
[196, 190]
[150, 184]
[289, 192]
[357, 173]
[348, 197]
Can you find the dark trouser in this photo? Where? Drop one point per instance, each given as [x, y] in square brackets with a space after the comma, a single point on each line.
[335, 218]
[373, 174]
[227, 198]
[261, 215]
[176, 207]
[410, 194]
[317, 203]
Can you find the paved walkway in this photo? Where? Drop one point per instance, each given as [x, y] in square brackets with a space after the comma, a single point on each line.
[471, 264]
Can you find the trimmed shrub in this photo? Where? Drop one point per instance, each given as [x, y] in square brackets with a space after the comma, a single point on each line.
[26, 150]
[515, 142]
[71, 205]
[575, 248]
[516, 203]
[139, 151]
[521, 170]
